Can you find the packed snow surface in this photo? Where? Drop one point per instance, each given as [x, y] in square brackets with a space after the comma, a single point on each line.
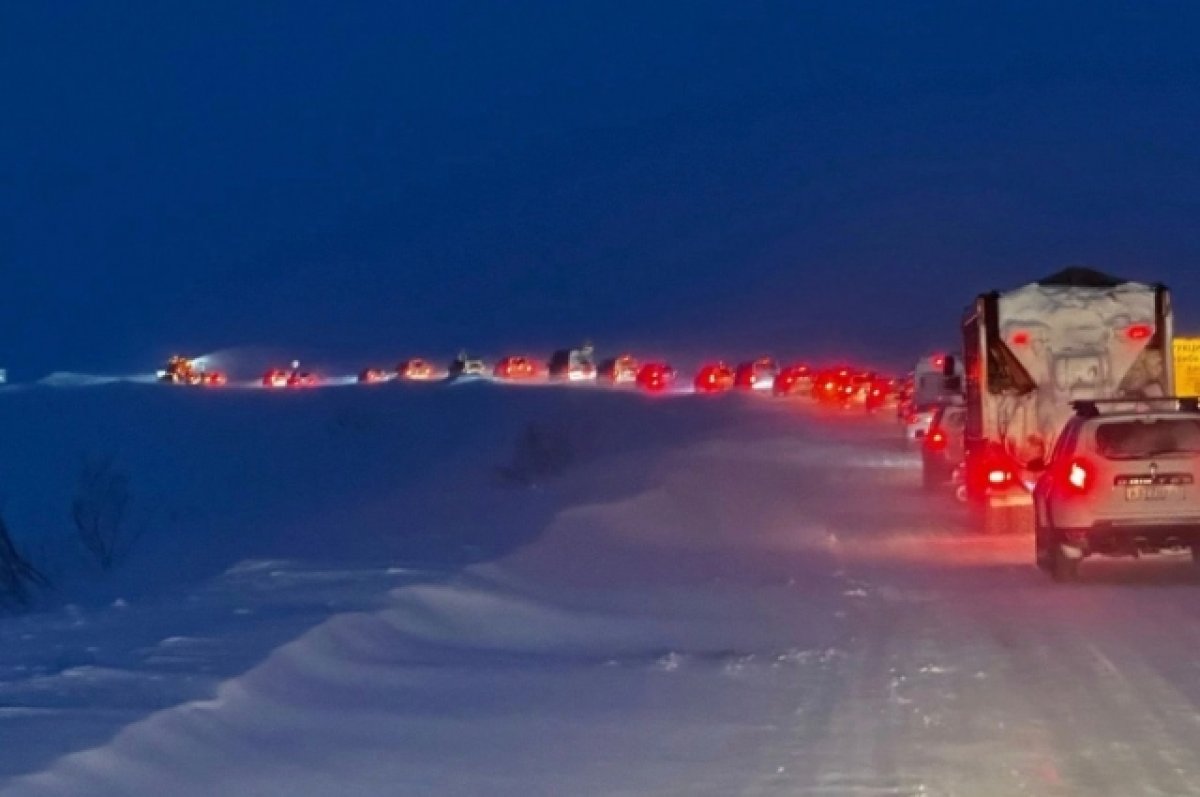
[380, 591]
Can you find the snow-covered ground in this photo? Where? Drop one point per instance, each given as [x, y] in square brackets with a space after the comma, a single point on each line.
[365, 592]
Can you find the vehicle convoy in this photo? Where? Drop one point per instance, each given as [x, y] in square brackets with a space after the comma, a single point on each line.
[575, 365]
[621, 370]
[186, 371]
[1120, 482]
[1029, 352]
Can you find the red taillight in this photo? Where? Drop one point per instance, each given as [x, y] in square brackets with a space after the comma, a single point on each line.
[998, 477]
[1139, 331]
[1079, 476]
[935, 441]
[1020, 338]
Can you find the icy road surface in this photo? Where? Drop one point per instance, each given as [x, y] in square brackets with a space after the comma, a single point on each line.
[764, 605]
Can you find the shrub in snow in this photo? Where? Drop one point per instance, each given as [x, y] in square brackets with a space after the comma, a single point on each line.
[17, 576]
[100, 511]
[540, 452]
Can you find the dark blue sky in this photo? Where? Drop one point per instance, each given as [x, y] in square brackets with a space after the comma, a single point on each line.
[402, 177]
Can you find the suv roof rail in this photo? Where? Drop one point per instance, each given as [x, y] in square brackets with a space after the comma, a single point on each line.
[1090, 408]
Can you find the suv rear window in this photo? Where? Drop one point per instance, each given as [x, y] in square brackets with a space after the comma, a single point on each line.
[1142, 439]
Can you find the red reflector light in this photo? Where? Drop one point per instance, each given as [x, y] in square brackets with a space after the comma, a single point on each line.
[1020, 338]
[935, 441]
[1139, 331]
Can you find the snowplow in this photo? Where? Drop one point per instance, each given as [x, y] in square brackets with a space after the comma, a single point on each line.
[1029, 352]
[186, 371]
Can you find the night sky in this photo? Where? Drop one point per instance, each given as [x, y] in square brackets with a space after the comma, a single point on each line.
[395, 178]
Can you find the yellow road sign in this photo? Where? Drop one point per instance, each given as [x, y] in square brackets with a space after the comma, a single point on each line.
[1187, 366]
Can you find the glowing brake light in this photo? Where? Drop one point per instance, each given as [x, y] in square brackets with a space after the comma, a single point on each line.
[1139, 331]
[997, 477]
[1079, 476]
[1020, 338]
[936, 441]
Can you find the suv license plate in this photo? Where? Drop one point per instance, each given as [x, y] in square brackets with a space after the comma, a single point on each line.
[1151, 493]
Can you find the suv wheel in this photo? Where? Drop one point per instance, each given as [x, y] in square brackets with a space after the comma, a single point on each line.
[1065, 568]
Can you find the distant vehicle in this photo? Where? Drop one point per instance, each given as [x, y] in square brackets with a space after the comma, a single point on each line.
[793, 380]
[293, 377]
[1120, 482]
[416, 370]
[856, 388]
[904, 398]
[829, 384]
[185, 371]
[655, 377]
[936, 379]
[756, 375]
[942, 448]
[621, 370]
[715, 377]
[517, 367]
[465, 365]
[372, 376]
[920, 418]
[574, 365]
[841, 387]
[880, 393]
[1030, 351]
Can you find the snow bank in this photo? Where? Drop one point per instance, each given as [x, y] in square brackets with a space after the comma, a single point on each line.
[623, 594]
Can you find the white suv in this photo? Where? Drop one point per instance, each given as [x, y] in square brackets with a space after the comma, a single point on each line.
[1122, 481]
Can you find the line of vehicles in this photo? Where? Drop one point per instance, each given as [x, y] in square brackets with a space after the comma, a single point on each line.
[1061, 418]
[841, 386]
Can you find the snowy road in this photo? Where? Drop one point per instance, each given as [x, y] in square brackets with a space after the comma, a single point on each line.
[769, 606]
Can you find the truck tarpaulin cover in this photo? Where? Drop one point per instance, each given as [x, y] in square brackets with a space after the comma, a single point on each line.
[1078, 339]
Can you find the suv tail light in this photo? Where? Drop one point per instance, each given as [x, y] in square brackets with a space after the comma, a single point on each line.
[935, 440]
[1079, 476]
